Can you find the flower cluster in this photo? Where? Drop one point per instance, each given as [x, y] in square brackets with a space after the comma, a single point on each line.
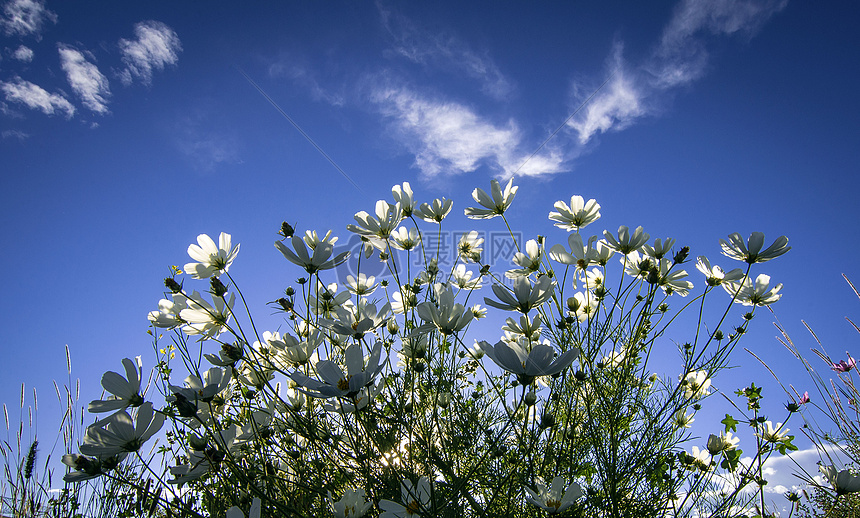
[368, 389]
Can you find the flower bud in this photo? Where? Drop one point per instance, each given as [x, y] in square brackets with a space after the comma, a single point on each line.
[196, 442]
[444, 399]
[287, 230]
[531, 398]
[681, 256]
[392, 326]
[547, 421]
[172, 285]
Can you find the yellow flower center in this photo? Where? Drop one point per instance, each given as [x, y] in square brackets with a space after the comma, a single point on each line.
[413, 507]
[343, 383]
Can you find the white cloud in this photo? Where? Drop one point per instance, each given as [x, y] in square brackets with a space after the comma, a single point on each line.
[25, 17]
[679, 58]
[23, 54]
[615, 106]
[450, 138]
[446, 52]
[85, 79]
[156, 46]
[35, 97]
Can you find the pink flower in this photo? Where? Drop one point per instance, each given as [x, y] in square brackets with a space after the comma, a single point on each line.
[804, 399]
[844, 366]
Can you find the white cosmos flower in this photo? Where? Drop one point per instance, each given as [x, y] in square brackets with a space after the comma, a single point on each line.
[320, 260]
[752, 252]
[701, 458]
[524, 297]
[354, 503]
[672, 280]
[682, 419]
[167, 315]
[525, 327]
[86, 468]
[293, 351]
[203, 318]
[555, 498]
[118, 433]
[211, 259]
[403, 301]
[478, 311]
[359, 320]
[470, 247]
[759, 293]
[363, 285]
[125, 391]
[528, 365]
[357, 402]
[404, 239]
[582, 306]
[771, 433]
[625, 243]
[403, 196]
[377, 228]
[435, 212]
[312, 239]
[462, 278]
[415, 496]
[697, 384]
[443, 314]
[197, 390]
[529, 261]
[660, 248]
[715, 275]
[843, 481]
[576, 215]
[637, 265]
[337, 384]
[494, 204]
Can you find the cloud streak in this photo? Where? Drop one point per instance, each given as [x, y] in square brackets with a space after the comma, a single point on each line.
[446, 52]
[25, 17]
[155, 47]
[85, 79]
[35, 97]
[679, 57]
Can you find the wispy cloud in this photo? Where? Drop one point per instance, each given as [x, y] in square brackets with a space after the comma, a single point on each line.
[445, 52]
[156, 46]
[23, 54]
[616, 105]
[15, 134]
[25, 17]
[293, 69]
[35, 97]
[450, 138]
[85, 79]
[679, 57]
[205, 146]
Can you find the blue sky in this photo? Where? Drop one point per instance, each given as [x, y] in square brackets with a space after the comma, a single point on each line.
[127, 130]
